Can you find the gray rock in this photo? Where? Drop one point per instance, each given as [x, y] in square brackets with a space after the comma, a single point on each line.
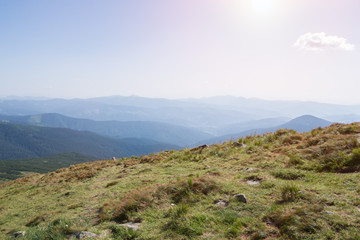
[83, 234]
[240, 198]
[19, 234]
[222, 202]
[249, 169]
[134, 226]
[253, 182]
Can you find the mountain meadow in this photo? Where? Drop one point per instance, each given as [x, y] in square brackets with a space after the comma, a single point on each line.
[279, 185]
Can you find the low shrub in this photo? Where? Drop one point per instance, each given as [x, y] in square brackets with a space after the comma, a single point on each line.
[120, 211]
[288, 174]
[289, 192]
[341, 162]
[180, 223]
[123, 233]
[304, 222]
[56, 230]
[354, 159]
[295, 160]
[136, 200]
[348, 129]
[36, 220]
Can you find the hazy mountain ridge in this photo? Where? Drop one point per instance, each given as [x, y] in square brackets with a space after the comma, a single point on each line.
[161, 132]
[23, 141]
[207, 114]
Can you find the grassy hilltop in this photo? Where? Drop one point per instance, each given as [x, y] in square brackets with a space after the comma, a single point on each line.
[296, 186]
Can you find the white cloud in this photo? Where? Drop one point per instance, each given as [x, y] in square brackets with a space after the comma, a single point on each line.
[321, 41]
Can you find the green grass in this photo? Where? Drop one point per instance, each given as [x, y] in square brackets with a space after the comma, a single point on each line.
[173, 195]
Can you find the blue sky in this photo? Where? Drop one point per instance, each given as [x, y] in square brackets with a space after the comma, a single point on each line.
[271, 49]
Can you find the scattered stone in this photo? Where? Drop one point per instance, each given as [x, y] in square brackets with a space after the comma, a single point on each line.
[199, 148]
[19, 234]
[83, 234]
[237, 144]
[222, 202]
[253, 182]
[249, 169]
[134, 226]
[241, 198]
[146, 170]
[328, 212]
[172, 204]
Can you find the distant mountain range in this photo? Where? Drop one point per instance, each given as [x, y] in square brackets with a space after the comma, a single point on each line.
[21, 141]
[206, 114]
[300, 124]
[161, 132]
[123, 126]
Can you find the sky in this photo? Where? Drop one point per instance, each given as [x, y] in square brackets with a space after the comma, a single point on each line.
[305, 50]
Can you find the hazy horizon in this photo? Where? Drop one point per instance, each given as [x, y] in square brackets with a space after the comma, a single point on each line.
[40, 98]
[266, 49]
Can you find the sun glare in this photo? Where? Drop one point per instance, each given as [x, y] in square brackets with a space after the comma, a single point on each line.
[262, 6]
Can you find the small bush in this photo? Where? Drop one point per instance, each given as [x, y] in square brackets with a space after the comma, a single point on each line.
[124, 233]
[56, 230]
[288, 174]
[348, 129]
[301, 223]
[180, 223]
[341, 162]
[180, 191]
[354, 159]
[281, 132]
[270, 138]
[295, 160]
[289, 192]
[36, 220]
[292, 139]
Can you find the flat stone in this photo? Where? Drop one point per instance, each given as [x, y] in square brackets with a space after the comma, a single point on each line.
[134, 226]
[253, 182]
[249, 169]
[83, 234]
